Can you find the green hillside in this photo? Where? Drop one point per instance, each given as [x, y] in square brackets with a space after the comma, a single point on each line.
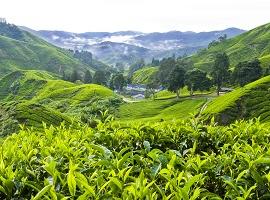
[247, 102]
[144, 75]
[26, 51]
[32, 97]
[167, 109]
[247, 46]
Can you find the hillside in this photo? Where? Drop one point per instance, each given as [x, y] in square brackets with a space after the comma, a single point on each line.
[144, 75]
[159, 110]
[22, 50]
[33, 97]
[247, 46]
[247, 102]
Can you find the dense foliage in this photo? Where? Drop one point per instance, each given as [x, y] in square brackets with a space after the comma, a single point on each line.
[220, 71]
[10, 30]
[180, 160]
[247, 72]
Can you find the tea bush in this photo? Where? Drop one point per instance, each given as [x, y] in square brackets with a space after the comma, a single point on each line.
[177, 160]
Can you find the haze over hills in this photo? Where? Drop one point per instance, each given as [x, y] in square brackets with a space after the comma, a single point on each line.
[19, 49]
[129, 46]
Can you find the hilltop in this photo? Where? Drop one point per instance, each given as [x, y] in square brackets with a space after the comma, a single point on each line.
[249, 45]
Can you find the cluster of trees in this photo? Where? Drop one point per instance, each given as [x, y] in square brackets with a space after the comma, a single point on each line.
[174, 74]
[216, 42]
[114, 80]
[10, 30]
[85, 57]
[247, 71]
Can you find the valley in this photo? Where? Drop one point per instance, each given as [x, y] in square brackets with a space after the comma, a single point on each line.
[133, 115]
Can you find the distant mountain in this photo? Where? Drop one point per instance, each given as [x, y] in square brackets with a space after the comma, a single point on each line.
[127, 46]
[247, 46]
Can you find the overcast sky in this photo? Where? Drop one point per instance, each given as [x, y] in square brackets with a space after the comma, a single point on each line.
[139, 15]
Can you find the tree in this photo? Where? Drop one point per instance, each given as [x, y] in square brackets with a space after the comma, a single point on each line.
[88, 77]
[151, 87]
[220, 72]
[100, 78]
[64, 76]
[212, 44]
[155, 62]
[197, 79]
[166, 66]
[84, 56]
[246, 72]
[176, 80]
[75, 76]
[117, 82]
[222, 38]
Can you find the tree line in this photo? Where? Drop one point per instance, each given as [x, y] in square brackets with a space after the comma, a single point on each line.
[174, 74]
[114, 80]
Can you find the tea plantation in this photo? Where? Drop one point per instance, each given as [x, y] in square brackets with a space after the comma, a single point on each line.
[176, 160]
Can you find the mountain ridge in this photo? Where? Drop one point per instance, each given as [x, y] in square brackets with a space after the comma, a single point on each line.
[157, 44]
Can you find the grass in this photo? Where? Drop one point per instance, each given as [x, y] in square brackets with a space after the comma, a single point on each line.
[160, 109]
[247, 102]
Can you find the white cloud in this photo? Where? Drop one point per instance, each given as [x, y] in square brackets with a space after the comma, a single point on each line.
[140, 15]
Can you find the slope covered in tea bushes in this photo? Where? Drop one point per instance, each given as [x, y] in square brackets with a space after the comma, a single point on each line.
[167, 109]
[178, 160]
[144, 75]
[33, 97]
[250, 101]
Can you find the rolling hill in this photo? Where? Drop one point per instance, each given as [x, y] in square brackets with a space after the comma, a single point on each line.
[160, 110]
[144, 75]
[246, 102]
[32, 97]
[249, 45]
[22, 50]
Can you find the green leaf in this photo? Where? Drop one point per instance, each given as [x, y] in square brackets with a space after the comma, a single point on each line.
[116, 182]
[155, 169]
[71, 180]
[42, 192]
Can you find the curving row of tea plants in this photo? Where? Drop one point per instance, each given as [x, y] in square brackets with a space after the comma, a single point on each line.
[176, 160]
